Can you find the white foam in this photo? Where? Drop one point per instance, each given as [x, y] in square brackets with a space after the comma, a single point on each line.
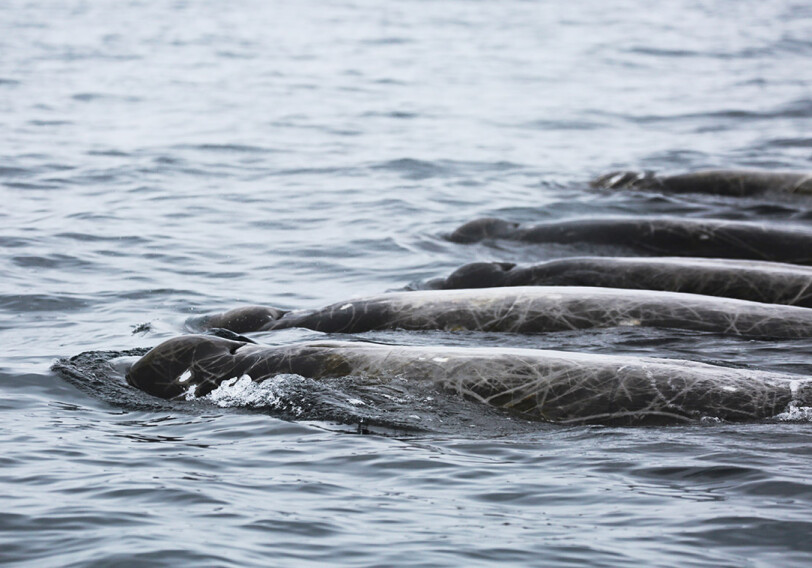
[795, 413]
[710, 420]
[190, 393]
[244, 392]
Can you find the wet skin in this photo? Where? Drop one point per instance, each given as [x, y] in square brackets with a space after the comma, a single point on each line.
[769, 282]
[736, 183]
[527, 309]
[553, 386]
[657, 236]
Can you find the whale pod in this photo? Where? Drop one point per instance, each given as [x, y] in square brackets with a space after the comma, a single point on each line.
[669, 236]
[553, 386]
[528, 309]
[736, 183]
[770, 282]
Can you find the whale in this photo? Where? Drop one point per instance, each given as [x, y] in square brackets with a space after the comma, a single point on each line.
[526, 309]
[552, 386]
[759, 281]
[733, 183]
[657, 236]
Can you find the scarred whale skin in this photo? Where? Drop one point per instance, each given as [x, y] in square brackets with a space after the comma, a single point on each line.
[527, 309]
[553, 386]
[670, 236]
[736, 183]
[770, 282]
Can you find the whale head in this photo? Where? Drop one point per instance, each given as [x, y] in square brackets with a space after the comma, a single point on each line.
[479, 275]
[171, 368]
[485, 228]
[244, 319]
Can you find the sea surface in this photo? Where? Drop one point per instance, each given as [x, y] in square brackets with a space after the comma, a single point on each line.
[160, 160]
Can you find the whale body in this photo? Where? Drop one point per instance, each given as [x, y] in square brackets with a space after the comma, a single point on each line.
[770, 282]
[657, 236]
[736, 183]
[528, 309]
[552, 386]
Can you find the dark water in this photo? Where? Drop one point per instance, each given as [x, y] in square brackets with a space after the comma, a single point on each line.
[165, 159]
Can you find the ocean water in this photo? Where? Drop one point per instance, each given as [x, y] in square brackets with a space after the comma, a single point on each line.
[166, 159]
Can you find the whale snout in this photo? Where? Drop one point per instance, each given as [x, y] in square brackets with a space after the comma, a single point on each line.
[479, 275]
[244, 319]
[485, 228]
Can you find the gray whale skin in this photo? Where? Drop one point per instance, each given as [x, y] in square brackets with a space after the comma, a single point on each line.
[527, 309]
[656, 236]
[552, 386]
[735, 183]
[770, 282]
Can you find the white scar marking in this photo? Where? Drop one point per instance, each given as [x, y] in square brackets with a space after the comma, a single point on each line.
[345, 306]
[440, 359]
[730, 389]
[187, 374]
[615, 178]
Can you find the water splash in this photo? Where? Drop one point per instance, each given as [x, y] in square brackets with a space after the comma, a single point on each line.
[244, 392]
[795, 413]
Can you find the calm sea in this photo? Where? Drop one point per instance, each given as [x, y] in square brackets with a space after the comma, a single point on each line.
[164, 159]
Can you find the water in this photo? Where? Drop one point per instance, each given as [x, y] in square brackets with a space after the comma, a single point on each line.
[167, 159]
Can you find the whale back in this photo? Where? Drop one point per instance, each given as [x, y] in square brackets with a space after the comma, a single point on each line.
[551, 386]
[734, 183]
[757, 281]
